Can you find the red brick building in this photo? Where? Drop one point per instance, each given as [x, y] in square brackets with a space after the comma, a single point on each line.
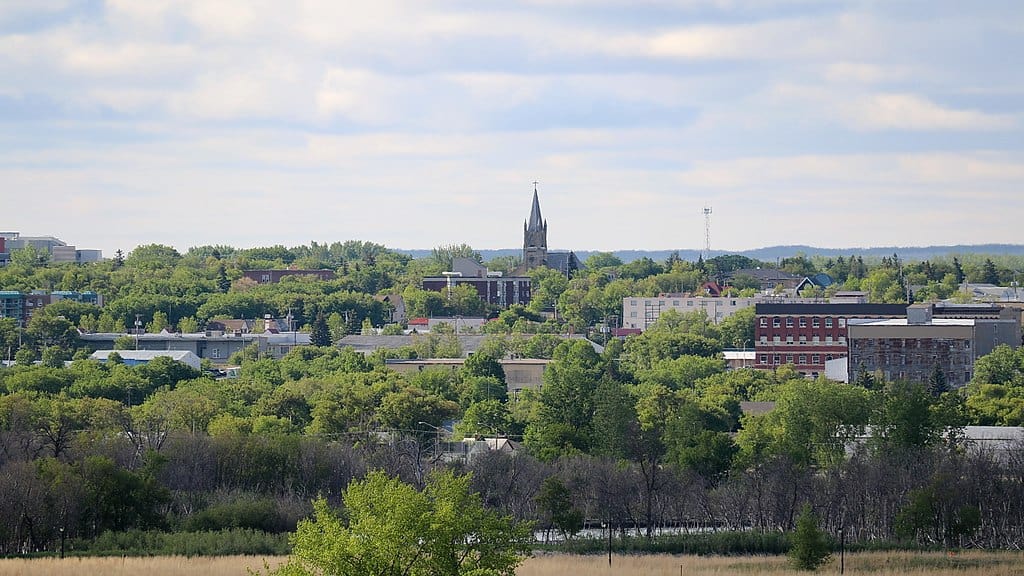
[806, 335]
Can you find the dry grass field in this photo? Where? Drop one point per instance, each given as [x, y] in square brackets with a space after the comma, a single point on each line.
[146, 566]
[874, 564]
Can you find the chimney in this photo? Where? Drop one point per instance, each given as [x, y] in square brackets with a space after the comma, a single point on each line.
[919, 314]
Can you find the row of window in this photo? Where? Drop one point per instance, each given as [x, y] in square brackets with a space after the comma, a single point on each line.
[815, 340]
[703, 302]
[801, 359]
[802, 321]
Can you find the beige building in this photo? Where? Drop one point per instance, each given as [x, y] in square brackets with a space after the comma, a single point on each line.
[520, 373]
[640, 312]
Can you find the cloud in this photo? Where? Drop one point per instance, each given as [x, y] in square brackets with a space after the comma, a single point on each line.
[912, 112]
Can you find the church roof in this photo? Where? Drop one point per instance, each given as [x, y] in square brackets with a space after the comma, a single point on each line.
[535, 222]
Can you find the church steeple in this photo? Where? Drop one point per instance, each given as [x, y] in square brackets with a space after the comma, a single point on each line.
[535, 222]
[535, 236]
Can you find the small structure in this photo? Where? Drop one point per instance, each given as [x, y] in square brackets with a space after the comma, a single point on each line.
[136, 357]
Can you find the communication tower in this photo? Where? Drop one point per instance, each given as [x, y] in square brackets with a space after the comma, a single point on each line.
[707, 232]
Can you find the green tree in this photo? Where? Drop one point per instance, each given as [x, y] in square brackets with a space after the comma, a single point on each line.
[392, 529]
[555, 503]
[810, 548]
[320, 335]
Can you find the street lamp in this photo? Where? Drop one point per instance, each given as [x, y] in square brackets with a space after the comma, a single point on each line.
[437, 436]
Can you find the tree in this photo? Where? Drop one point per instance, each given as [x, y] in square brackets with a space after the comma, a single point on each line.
[555, 502]
[989, 273]
[320, 335]
[393, 529]
[810, 548]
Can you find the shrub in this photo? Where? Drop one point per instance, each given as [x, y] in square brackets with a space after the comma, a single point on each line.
[810, 547]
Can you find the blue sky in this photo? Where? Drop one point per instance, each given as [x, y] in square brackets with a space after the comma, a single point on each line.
[416, 123]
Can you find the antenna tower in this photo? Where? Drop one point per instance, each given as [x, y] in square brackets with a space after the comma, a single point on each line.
[707, 232]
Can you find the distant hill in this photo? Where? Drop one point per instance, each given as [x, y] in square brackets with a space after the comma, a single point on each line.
[774, 253]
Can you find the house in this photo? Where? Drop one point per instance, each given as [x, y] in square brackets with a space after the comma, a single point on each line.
[992, 293]
[767, 278]
[136, 357]
[394, 308]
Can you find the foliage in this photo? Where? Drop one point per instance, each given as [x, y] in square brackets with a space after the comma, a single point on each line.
[810, 548]
[392, 528]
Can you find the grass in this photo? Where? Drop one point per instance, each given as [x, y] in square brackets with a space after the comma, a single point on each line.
[981, 563]
[969, 563]
[131, 566]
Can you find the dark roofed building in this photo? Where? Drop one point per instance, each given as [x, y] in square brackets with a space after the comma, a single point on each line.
[769, 278]
[275, 276]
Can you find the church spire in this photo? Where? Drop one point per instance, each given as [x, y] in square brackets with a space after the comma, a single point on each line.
[535, 236]
[535, 222]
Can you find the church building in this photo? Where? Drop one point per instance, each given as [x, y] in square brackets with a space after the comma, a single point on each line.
[535, 245]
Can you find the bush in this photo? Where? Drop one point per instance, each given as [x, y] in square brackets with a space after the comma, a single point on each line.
[156, 543]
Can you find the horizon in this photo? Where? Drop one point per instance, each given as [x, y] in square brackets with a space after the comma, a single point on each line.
[409, 123]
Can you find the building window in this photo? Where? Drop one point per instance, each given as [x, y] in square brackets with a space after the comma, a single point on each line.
[632, 314]
[764, 339]
[764, 358]
[777, 359]
[789, 339]
[842, 322]
[815, 323]
[776, 323]
[789, 322]
[828, 340]
[816, 359]
[803, 339]
[828, 322]
[214, 352]
[675, 302]
[265, 278]
[803, 322]
[776, 339]
[732, 303]
[802, 359]
[815, 339]
[764, 322]
[632, 302]
[689, 302]
[789, 358]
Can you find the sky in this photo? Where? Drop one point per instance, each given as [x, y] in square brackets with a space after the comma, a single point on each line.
[420, 123]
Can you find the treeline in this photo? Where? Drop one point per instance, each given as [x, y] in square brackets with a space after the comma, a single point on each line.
[647, 434]
[161, 288]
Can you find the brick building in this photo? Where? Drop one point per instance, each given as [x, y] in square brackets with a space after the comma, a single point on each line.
[492, 287]
[807, 335]
[947, 337]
